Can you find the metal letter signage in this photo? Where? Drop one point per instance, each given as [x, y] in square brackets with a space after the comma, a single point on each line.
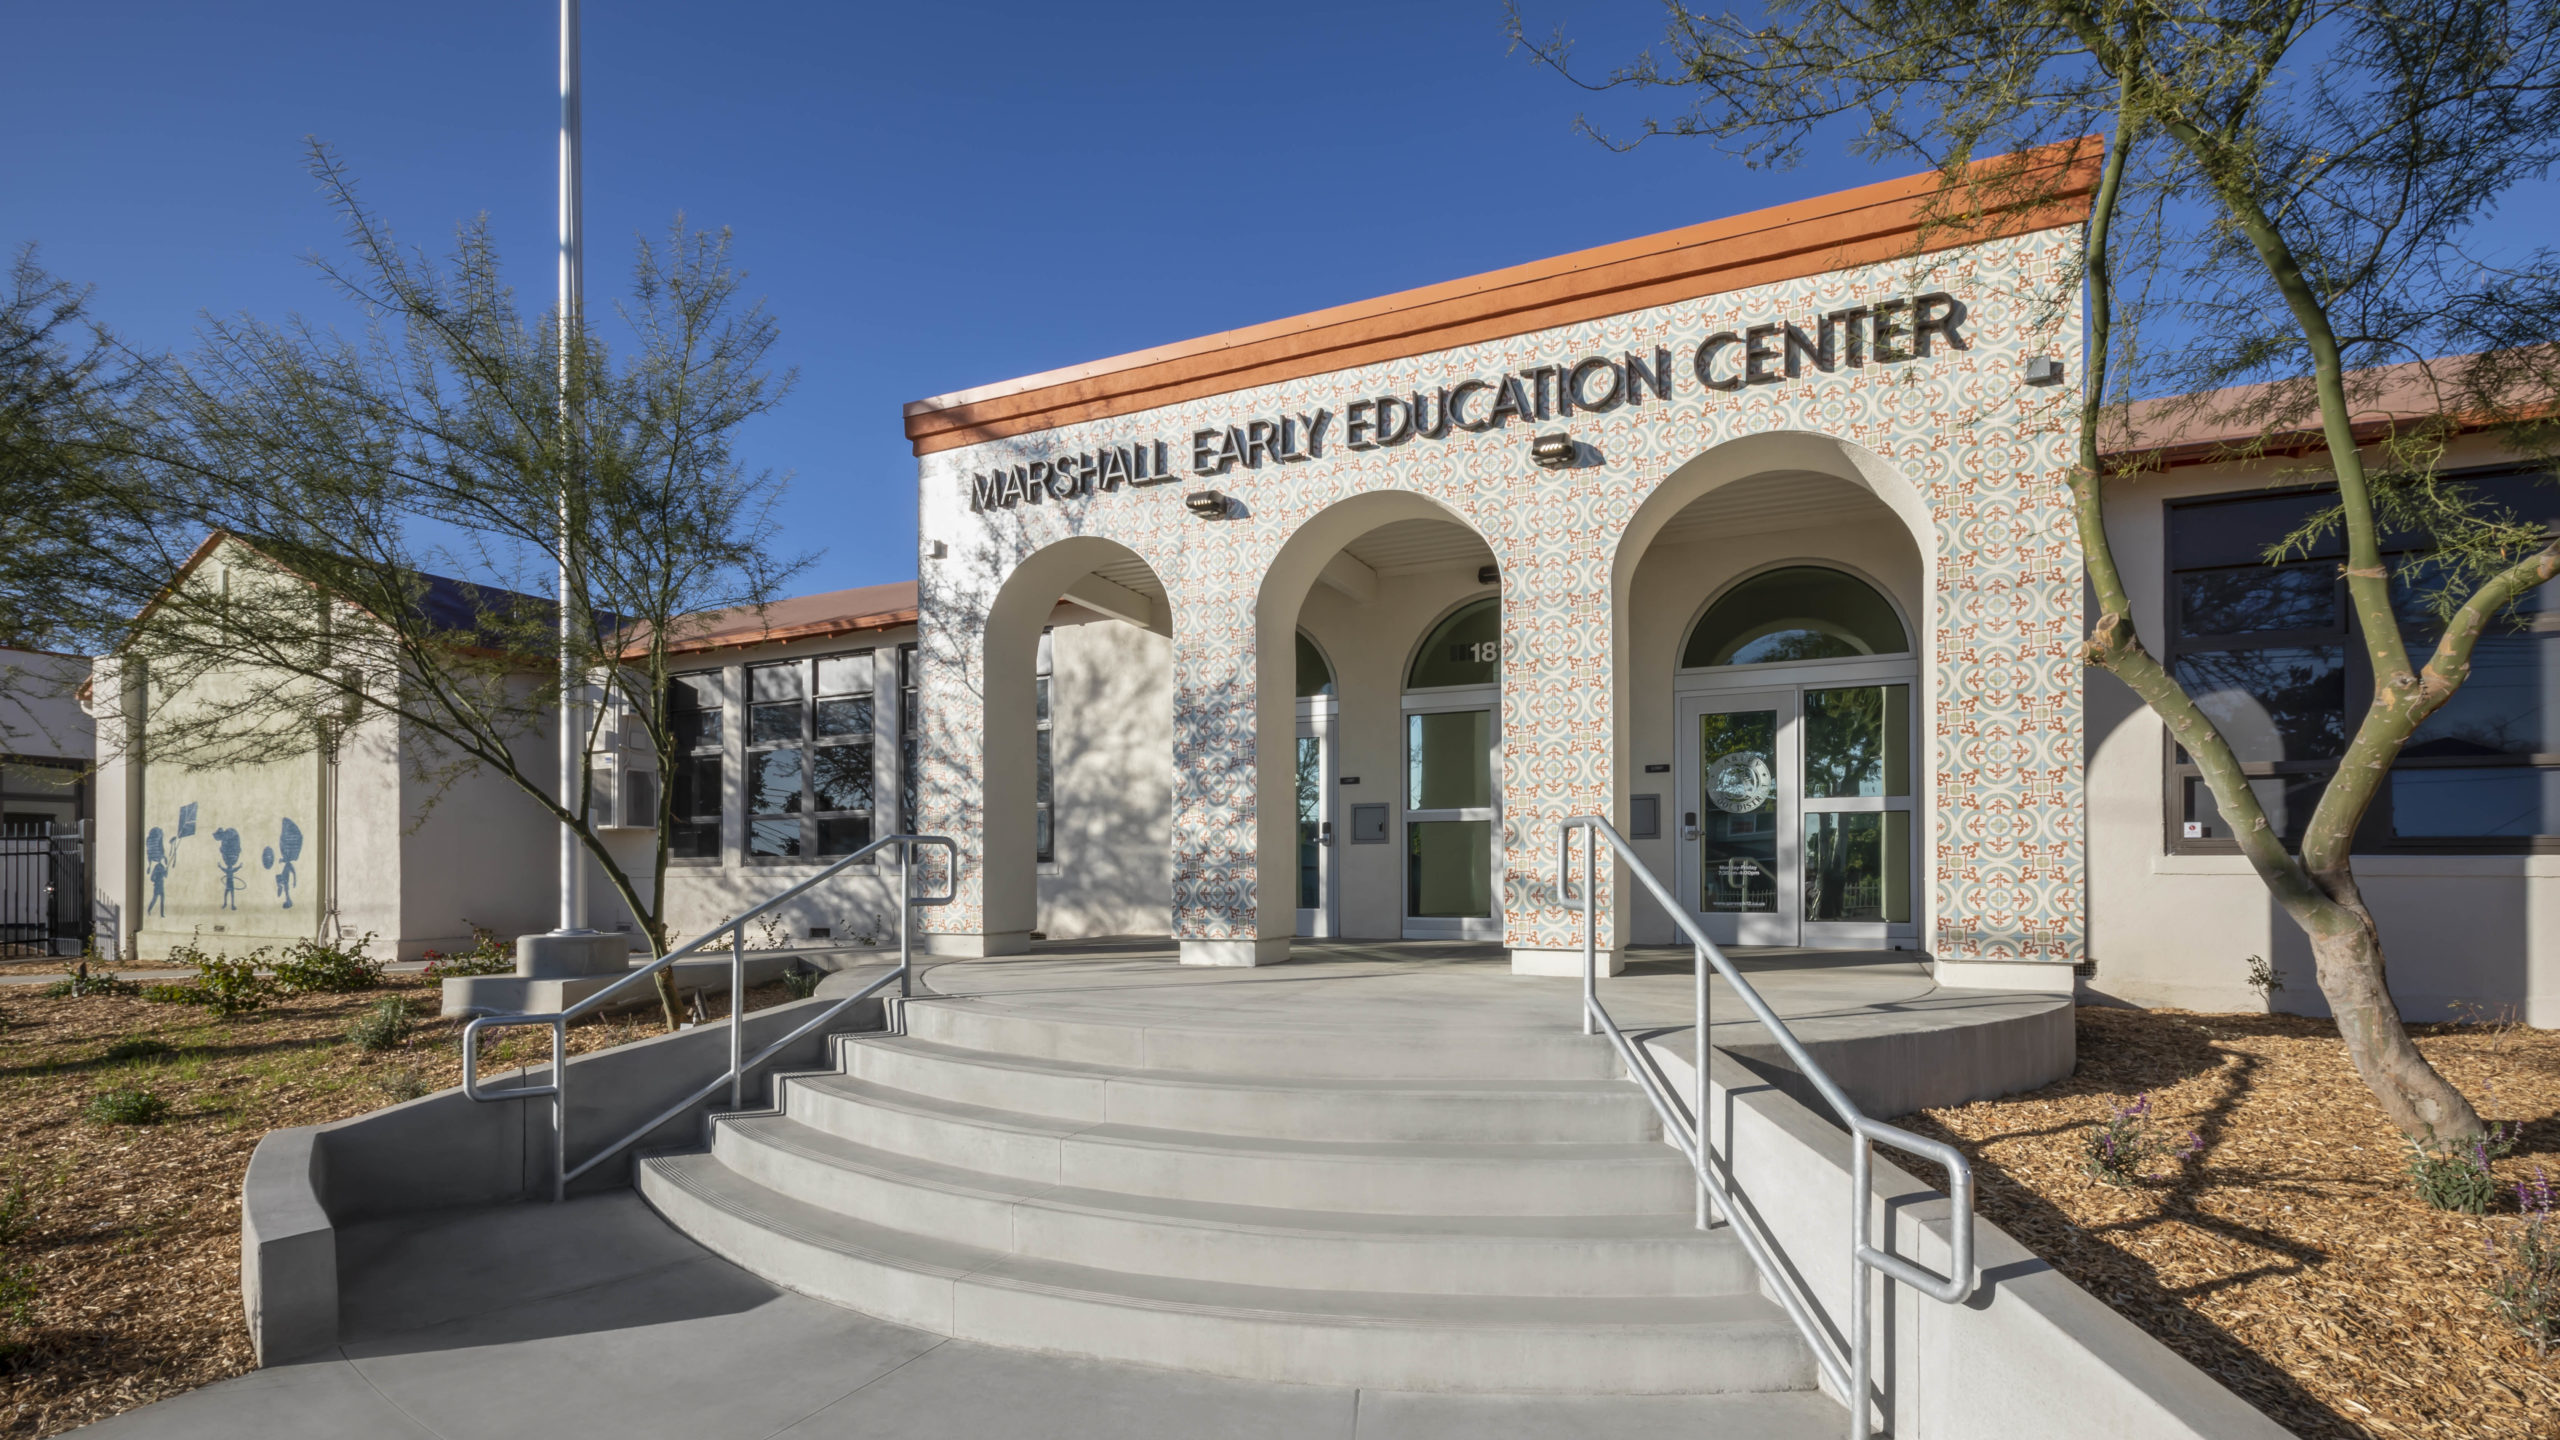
[1890, 331]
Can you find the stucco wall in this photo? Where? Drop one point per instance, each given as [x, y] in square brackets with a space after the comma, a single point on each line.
[2177, 930]
[1111, 747]
[40, 712]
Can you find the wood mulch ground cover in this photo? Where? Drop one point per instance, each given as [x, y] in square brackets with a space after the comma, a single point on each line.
[127, 1259]
[2289, 1258]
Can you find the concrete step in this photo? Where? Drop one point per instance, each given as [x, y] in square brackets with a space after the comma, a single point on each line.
[1404, 1177]
[1236, 1244]
[1185, 1041]
[1508, 1344]
[1310, 1107]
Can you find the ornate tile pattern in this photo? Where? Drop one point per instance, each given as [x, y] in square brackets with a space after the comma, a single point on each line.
[1987, 455]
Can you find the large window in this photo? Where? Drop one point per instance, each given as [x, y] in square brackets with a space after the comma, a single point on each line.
[694, 710]
[907, 712]
[808, 757]
[2270, 653]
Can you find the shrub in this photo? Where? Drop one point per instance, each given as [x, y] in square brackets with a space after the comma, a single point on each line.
[137, 1047]
[126, 1105]
[2122, 1150]
[314, 967]
[402, 1083]
[2456, 1177]
[800, 983]
[2527, 1290]
[81, 980]
[383, 1025]
[224, 984]
[488, 955]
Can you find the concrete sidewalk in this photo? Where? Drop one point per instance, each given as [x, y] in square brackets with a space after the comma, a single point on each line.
[596, 1318]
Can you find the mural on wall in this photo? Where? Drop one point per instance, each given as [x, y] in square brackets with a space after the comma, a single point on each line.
[288, 848]
[1983, 453]
[155, 854]
[227, 842]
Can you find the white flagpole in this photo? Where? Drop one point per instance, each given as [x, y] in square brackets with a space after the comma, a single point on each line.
[573, 861]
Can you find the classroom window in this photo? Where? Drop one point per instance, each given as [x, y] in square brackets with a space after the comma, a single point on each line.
[809, 772]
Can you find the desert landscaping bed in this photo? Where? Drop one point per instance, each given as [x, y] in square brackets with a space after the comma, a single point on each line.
[2289, 1257]
[126, 1261]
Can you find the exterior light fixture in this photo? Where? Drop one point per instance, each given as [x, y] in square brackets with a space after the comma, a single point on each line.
[938, 551]
[2044, 370]
[1488, 574]
[1207, 504]
[1555, 452]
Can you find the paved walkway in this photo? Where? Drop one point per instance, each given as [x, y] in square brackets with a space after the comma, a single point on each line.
[595, 1319]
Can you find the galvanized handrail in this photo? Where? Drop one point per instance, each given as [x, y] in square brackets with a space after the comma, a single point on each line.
[1850, 1372]
[740, 1063]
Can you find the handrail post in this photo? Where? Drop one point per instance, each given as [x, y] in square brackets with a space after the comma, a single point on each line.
[738, 1016]
[559, 1109]
[1860, 1156]
[906, 909]
[1698, 1079]
[1590, 925]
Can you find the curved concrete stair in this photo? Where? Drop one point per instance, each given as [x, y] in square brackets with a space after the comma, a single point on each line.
[1237, 1244]
[1514, 1344]
[1490, 1211]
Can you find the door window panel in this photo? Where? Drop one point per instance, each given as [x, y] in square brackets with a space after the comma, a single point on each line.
[1857, 866]
[1738, 811]
[1857, 742]
[1466, 649]
[1449, 760]
[1310, 821]
[1800, 612]
[1448, 869]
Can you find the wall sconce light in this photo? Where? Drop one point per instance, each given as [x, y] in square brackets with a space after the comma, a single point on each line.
[1207, 504]
[2044, 370]
[1488, 574]
[1555, 452]
[938, 551]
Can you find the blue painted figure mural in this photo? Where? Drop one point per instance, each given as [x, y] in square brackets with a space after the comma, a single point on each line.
[227, 841]
[186, 827]
[288, 849]
[155, 852]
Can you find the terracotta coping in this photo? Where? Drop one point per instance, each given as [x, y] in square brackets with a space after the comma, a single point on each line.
[1864, 226]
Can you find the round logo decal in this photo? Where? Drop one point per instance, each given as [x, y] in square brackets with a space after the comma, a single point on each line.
[1740, 782]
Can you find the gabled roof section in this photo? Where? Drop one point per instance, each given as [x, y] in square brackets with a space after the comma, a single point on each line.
[1864, 226]
[801, 617]
[2219, 426]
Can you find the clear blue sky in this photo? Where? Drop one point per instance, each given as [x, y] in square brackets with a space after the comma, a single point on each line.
[928, 197]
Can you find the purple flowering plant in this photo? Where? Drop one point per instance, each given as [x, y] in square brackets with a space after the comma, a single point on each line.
[2123, 1150]
[2526, 1290]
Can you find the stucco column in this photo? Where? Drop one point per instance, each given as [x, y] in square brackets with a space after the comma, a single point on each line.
[1232, 811]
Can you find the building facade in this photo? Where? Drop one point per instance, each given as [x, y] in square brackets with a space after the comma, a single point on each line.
[1752, 537]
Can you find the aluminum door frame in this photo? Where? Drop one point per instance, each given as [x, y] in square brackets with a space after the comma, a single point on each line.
[1726, 927]
[1320, 720]
[1442, 701]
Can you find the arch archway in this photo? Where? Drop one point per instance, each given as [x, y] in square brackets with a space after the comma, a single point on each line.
[1784, 510]
[1078, 632]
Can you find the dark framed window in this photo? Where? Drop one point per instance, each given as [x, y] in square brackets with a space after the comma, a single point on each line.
[809, 757]
[2270, 652]
[694, 712]
[1044, 776]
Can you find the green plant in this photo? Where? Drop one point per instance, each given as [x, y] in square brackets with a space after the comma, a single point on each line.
[402, 1083]
[383, 1025]
[333, 967]
[224, 984]
[20, 1203]
[137, 1047]
[2527, 1290]
[800, 982]
[126, 1105]
[2263, 978]
[2122, 1150]
[81, 980]
[488, 955]
[18, 1296]
[2456, 1176]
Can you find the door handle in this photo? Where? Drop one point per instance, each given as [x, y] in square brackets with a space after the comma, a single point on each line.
[1688, 824]
[1324, 835]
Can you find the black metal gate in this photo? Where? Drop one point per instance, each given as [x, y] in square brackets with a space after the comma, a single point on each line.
[44, 890]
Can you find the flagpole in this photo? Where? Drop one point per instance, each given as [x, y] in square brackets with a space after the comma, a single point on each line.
[573, 866]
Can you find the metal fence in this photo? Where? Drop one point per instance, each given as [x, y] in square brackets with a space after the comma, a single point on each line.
[44, 890]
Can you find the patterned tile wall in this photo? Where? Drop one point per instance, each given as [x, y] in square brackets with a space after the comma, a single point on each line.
[1986, 453]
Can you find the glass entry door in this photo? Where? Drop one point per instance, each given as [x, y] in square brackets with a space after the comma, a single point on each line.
[1452, 819]
[1796, 815]
[1315, 787]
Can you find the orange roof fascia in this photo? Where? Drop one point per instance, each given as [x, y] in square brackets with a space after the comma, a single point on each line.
[814, 630]
[1864, 226]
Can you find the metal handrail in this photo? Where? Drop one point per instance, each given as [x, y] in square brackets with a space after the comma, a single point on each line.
[1850, 1372]
[740, 1063]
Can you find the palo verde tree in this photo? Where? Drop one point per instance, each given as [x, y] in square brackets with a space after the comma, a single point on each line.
[389, 510]
[2293, 210]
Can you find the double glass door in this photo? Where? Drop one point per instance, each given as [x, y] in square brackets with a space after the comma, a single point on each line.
[1316, 840]
[1452, 816]
[1796, 814]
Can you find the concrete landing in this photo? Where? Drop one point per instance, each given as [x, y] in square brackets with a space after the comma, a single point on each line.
[596, 1318]
[1895, 1038]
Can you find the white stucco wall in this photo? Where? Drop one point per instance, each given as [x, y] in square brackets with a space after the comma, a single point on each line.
[1111, 746]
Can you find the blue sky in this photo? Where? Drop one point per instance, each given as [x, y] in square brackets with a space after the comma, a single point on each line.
[928, 198]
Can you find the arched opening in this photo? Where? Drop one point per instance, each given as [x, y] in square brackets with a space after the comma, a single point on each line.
[1774, 705]
[1076, 798]
[1348, 603]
